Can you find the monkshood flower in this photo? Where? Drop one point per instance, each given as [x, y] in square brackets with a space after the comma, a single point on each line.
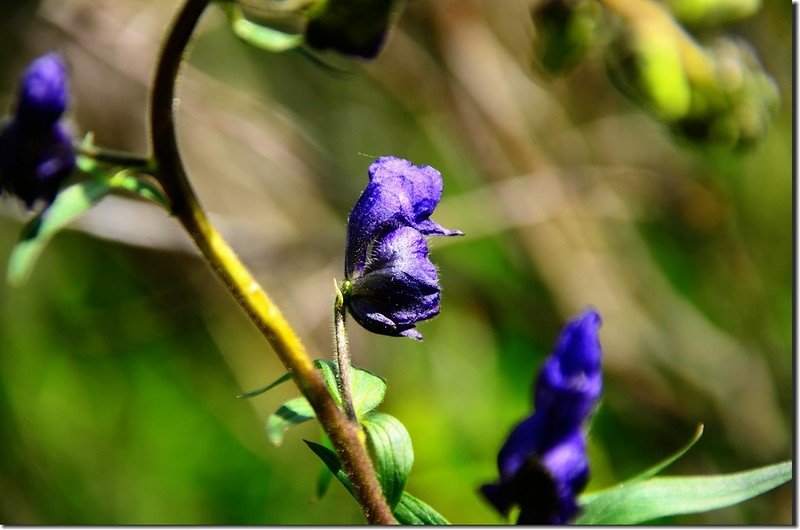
[36, 153]
[543, 464]
[391, 283]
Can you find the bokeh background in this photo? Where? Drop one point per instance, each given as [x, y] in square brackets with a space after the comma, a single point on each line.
[121, 359]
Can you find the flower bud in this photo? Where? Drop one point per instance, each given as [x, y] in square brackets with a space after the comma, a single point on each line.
[543, 464]
[352, 27]
[36, 153]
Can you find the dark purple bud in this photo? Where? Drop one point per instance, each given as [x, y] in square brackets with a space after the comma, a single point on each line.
[543, 464]
[546, 484]
[36, 153]
[43, 93]
[393, 283]
[399, 285]
[33, 166]
[571, 379]
[352, 27]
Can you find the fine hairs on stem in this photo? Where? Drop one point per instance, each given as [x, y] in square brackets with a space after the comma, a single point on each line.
[342, 356]
[343, 433]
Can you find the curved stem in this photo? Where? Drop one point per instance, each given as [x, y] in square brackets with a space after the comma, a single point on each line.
[238, 279]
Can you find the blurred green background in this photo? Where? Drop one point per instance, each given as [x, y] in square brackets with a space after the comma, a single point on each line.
[120, 360]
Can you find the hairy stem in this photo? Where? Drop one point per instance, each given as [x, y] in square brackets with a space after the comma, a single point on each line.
[238, 279]
[342, 356]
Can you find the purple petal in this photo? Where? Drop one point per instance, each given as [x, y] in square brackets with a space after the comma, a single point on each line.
[34, 164]
[526, 439]
[399, 286]
[568, 464]
[399, 194]
[571, 381]
[43, 92]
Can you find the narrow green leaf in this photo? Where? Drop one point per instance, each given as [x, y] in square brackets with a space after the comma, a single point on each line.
[392, 453]
[323, 482]
[409, 510]
[658, 468]
[70, 203]
[412, 511]
[368, 389]
[660, 497]
[328, 369]
[126, 181]
[330, 459]
[324, 476]
[292, 412]
[261, 390]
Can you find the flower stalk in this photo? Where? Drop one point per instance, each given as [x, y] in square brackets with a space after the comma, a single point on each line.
[342, 355]
[238, 279]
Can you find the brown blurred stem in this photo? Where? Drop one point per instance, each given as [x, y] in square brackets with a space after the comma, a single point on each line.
[238, 279]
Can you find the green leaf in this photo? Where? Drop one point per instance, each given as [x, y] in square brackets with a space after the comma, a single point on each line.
[392, 453]
[324, 477]
[412, 511]
[292, 412]
[660, 497]
[259, 391]
[658, 468]
[368, 389]
[323, 482]
[70, 203]
[409, 510]
[331, 460]
[126, 181]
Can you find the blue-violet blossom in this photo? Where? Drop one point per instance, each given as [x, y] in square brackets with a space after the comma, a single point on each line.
[543, 464]
[36, 153]
[391, 283]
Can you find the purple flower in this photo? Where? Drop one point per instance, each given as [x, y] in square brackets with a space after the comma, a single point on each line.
[36, 153]
[43, 92]
[543, 464]
[392, 283]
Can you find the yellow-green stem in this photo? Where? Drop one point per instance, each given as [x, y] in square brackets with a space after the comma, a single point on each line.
[238, 279]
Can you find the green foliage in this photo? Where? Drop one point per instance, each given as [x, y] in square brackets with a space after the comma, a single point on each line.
[258, 391]
[294, 411]
[660, 497]
[661, 466]
[408, 510]
[70, 203]
[368, 389]
[412, 511]
[392, 453]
